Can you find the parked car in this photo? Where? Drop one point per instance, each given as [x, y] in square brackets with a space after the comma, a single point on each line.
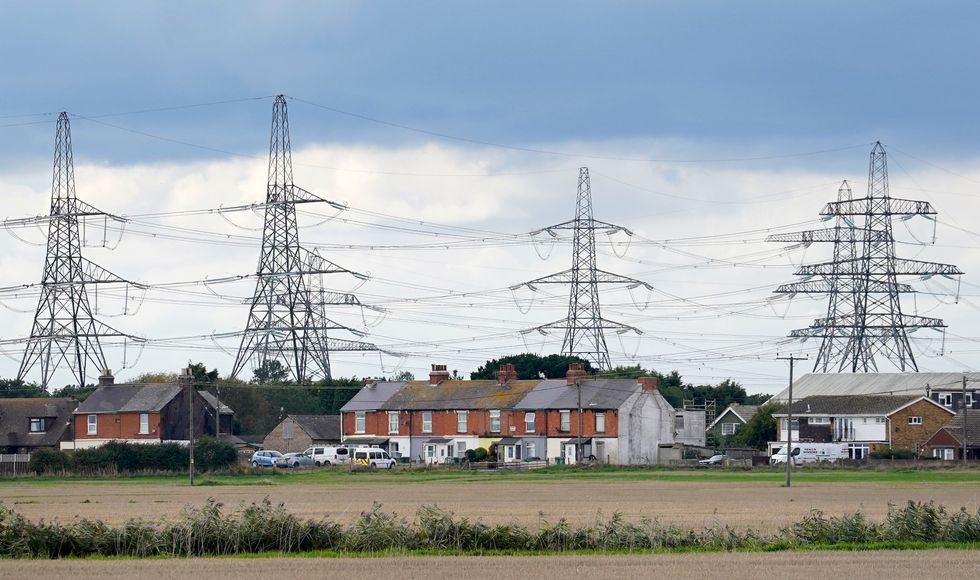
[719, 459]
[265, 458]
[295, 460]
[328, 455]
[373, 457]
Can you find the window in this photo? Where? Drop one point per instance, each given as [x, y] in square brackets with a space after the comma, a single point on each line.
[144, 423]
[881, 420]
[796, 424]
[600, 422]
[915, 420]
[393, 422]
[564, 420]
[461, 417]
[728, 428]
[529, 422]
[857, 451]
[678, 421]
[461, 449]
[819, 421]
[37, 425]
[358, 421]
[495, 421]
[427, 421]
[969, 399]
[946, 399]
[93, 424]
[531, 452]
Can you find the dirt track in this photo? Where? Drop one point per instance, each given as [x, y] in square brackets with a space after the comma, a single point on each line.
[759, 505]
[946, 564]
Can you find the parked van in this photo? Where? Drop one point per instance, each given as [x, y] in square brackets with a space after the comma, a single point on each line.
[809, 453]
[328, 455]
[373, 457]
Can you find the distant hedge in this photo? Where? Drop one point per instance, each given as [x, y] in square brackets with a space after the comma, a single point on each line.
[209, 455]
[893, 454]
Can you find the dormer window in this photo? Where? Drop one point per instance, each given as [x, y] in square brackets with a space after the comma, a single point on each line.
[37, 425]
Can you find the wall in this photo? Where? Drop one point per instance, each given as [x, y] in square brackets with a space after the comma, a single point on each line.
[646, 421]
[287, 436]
[117, 426]
[692, 432]
[913, 437]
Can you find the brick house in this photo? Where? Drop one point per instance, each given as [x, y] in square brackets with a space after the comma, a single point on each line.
[298, 432]
[622, 420]
[27, 424]
[947, 442]
[139, 413]
[865, 422]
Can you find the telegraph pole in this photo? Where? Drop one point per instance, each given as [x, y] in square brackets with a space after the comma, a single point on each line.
[578, 443]
[789, 415]
[964, 419]
[188, 379]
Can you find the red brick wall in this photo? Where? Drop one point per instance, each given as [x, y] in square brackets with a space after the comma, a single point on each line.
[117, 426]
[588, 423]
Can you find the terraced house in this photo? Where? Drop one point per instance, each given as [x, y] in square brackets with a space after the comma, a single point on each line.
[623, 421]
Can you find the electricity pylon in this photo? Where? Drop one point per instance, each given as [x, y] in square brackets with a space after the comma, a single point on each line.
[584, 325]
[286, 322]
[65, 330]
[864, 314]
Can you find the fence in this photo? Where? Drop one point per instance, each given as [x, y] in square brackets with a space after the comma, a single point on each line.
[13, 464]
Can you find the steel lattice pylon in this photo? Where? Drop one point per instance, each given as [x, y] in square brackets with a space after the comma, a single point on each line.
[287, 321]
[584, 327]
[864, 313]
[64, 329]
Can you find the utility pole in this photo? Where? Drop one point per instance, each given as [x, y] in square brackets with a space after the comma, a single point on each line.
[964, 419]
[789, 416]
[217, 412]
[188, 379]
[578, 443]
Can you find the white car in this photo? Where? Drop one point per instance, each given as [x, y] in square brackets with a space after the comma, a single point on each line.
[373, 457]
[328, 455]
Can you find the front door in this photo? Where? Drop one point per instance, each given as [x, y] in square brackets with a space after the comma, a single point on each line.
[570, 454]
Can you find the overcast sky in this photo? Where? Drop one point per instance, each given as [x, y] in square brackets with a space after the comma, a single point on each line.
[695, 119]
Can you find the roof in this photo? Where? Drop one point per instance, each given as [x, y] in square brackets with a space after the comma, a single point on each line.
[509, 441]
[420, 395]
[319, 427]
[955, 428]
[873, 384]
[128, 399]
[213, 402]
[15, 415]
[743, 412]
[372, 396]
[596, 394]
[882, 405]
[361, 440]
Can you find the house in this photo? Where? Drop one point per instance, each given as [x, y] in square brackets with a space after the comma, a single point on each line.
[29, 424]
[864, 422]
[621, 420]
[298, 432]
[731, 420]
[227, 413]
[139, 413]
[947, 442]
[944, 388]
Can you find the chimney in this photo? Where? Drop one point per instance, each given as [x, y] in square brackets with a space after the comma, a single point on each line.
[438, 374]
[106, 378]
[648, 383]
[575, 371]
[185, 378]
[506, 373]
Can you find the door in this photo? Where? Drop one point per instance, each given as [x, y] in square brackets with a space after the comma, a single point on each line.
[570, 454]
[600, 451]
[430, 453]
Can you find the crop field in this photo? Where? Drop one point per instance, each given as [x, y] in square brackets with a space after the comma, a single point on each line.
[742, 499]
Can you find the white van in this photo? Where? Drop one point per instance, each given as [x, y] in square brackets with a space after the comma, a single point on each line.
[328, 455]
[373, 457]
[809, 453]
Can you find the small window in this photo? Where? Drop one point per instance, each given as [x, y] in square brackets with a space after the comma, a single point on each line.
[393, 422]
[427, 421]
[969, 399]
[461, 417]
[728, 428]
[600, 422]
[144, 424]
[946, 399]
[495, 421]
[881, 420]
[564, 420]
[359, 421]
[529, 422]
[915, 420]
[529, 447]
[678, 421]
[819, 421]
[37, 425]
[93, 422]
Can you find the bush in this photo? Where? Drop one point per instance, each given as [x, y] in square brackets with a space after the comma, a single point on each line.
[211, 454]
[892, 454]
[479, 454]
[118, 457]
[46, 460]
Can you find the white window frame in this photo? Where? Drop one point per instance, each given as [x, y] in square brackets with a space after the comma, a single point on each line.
[969, 400]
[360, 421]
[946, 399]
[462, 418]
[495, 421]
[92, 424]
[392, 415]
[818, 421]
[728, 429]
[39, 421]
[427, 421]
[530, 449]
[144, 424]
[915, 420]
[565, 421]
[600, 422]
[529, 422]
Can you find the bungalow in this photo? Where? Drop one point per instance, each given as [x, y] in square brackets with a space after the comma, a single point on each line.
[864, 422]
[731, 420]
[298, 432]
[29, 424]
[947, 443]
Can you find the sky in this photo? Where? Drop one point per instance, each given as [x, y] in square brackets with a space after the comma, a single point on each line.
[695, 119]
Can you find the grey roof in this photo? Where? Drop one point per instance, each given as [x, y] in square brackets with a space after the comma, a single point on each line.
[509, 441]
[596, 394]
[15, 416]
[882, 405]
[457, 394]
[955, 428]
[373, 396]
[743, 412]
[873, 384]
[319, 427]
[128, 399]
[213, 402]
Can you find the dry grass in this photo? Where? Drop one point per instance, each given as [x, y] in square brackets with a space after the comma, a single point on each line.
[946, 564]
[761, 505]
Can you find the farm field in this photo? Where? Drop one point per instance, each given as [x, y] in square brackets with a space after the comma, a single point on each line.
[689, 499]
[948, 564]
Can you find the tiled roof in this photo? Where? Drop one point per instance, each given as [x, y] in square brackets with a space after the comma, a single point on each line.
[955, 427]
[15, 416]
[128, 399]
[213, 402]
[596, 394]
[745, 412]
[459, 395]
[871, 405]
[373, 396]
[319, 427]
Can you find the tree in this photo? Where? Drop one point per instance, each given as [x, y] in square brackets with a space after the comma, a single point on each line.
[16, 388]
[154, 378]
[271, 372]
[202, 376]
[80, 393]
[760, 429]
[530, 366]
[404, 376]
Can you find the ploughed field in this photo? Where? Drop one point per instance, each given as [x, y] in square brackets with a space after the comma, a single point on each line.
[947, 564]
[688, 499]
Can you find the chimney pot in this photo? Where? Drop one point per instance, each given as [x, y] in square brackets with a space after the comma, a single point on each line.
[575, 371]
[506, 373]
[438, 374]
[648, 383]
[106, 378]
